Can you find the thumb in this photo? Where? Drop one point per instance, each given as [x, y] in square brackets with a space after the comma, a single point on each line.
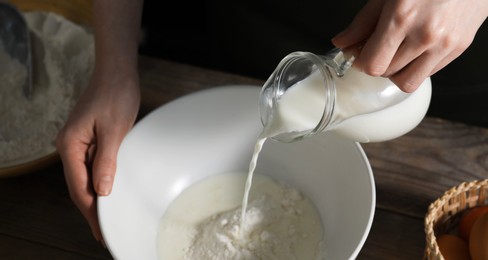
[105, 162]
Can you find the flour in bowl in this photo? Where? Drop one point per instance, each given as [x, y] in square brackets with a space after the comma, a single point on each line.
[204, 222]
[63, 58]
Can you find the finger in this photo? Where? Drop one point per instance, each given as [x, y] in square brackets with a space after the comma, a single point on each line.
[105, 162]
[380, 48]
[92, 215]
[406, 53]
[361, 26]
[76, 174]
[411, 76]
[444, 62]
[78, 180]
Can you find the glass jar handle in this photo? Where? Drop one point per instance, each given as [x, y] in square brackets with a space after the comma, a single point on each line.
[339, 60]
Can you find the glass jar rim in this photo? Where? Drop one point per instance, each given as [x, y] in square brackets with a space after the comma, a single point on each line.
[321, 65]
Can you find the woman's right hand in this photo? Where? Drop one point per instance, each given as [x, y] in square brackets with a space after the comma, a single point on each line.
[409, 40]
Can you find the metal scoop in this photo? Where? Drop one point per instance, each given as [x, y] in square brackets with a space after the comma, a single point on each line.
[14, 36]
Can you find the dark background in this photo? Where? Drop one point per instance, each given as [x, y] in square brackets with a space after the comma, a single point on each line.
[251, 37]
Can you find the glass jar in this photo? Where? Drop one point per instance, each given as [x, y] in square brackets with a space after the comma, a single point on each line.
[309, 94]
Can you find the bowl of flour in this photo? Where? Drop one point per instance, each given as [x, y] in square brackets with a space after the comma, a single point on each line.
[63, 58]
[182, 176]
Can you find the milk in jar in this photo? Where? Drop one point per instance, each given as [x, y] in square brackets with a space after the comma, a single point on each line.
[306, 95]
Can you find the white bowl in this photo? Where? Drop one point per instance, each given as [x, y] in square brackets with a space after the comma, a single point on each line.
[214, 131]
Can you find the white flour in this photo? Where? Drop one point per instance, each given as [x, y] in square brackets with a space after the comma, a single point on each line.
[204, 222]
[271, 231]
[63, 58]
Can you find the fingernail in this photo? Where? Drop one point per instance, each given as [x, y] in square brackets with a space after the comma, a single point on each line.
[105, 186]
[338, 35]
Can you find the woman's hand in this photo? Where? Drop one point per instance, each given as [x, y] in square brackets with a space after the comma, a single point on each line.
[409, 40]
[89, 142]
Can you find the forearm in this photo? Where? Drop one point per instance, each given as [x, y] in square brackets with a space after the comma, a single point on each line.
[117, 26]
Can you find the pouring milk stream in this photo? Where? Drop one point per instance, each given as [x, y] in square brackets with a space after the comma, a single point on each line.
[308, 94]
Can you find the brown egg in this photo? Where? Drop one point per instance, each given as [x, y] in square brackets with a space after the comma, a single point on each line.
[453, 247]
[467, 221]
[478, 238]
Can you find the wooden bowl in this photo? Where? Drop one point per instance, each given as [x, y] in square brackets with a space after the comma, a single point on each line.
[78, 11]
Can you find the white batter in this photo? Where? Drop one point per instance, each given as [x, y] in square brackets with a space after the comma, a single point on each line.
[204, 222]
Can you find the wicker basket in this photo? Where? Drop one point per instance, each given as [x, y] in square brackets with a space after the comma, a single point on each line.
[444, 214]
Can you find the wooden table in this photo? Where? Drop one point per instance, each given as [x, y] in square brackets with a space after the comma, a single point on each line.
[38, 220]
